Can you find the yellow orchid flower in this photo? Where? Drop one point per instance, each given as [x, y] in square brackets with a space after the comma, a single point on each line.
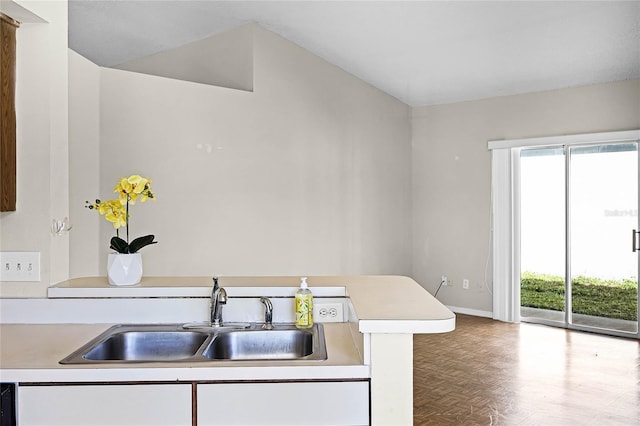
[112, 210]
[130, 188]
[116, 218]
[116, 211]
[146, 193]
[138, 183]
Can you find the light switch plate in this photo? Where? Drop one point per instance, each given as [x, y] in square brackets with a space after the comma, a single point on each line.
[20, 266]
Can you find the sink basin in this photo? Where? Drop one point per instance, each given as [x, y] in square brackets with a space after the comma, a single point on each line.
[145, 342]
[261, 344]
[175, 343]
[148, 346]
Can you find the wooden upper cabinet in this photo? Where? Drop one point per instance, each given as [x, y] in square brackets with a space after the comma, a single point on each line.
[7, 114]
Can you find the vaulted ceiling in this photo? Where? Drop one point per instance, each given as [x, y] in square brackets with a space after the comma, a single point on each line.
[421, 52]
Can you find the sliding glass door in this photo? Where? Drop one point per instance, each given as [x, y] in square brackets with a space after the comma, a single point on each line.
[578, 210]
[603, 212]
[542, 234]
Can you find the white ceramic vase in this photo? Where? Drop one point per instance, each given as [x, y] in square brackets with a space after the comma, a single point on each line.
[124, 269]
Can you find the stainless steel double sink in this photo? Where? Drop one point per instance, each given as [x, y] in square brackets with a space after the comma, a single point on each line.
[192, 343]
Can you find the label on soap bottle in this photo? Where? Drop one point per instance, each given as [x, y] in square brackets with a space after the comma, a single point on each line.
[304, 310]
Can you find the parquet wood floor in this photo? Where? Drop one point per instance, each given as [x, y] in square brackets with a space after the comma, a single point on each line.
[488, 372]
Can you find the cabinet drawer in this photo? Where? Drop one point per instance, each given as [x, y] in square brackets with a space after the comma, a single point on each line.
[288, 403]
[85, 405]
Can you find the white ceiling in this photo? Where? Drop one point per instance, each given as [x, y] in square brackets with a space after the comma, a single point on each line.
[421, 52]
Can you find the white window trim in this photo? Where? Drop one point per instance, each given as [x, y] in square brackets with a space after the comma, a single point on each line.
[505, 217]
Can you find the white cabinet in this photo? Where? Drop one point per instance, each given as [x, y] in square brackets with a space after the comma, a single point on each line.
[287, 403]
[272, 403]
[104, 404]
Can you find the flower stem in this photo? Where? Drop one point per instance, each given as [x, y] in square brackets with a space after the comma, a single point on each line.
[128, 219]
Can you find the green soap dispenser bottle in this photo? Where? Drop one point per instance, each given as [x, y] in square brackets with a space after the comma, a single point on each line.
[304, 305]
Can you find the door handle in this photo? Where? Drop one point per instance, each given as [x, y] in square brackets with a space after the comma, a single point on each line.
[634, 240]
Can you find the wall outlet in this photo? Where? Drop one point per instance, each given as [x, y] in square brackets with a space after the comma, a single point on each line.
[20, 266]
[328, 312]
[465, 284]
[444, 281]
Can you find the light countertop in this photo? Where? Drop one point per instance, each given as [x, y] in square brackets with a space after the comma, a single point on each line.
[32, 353]
[383, 304]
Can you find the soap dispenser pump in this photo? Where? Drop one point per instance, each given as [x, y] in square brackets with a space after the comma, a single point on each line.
[304, 305]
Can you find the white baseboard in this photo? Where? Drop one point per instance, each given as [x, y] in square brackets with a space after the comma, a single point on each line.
[474, 312]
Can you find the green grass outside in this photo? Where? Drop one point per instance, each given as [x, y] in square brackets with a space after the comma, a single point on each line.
[590, 296]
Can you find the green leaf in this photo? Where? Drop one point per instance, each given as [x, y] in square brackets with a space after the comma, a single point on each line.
[119, 245]
[141, 242]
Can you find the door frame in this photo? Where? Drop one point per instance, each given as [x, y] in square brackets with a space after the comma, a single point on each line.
[505, 215]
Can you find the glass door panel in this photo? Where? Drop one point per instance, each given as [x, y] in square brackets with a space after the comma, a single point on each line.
[603, 211]
[542, 234]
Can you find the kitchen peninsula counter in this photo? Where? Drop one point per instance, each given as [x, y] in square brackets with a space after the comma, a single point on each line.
[372, 344]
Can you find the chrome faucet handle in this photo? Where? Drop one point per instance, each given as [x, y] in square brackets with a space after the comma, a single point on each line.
[268, 313]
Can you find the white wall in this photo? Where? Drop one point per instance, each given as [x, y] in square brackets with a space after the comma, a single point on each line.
[42, 151]
[224, 60]
[309, 174]
[451, 171]
[84, 164]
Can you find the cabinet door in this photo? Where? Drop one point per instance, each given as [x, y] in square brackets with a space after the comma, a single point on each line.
[88, 405]
[290, 403]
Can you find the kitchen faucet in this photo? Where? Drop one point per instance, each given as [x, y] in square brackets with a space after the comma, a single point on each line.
[268, 313]
[218, 298]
